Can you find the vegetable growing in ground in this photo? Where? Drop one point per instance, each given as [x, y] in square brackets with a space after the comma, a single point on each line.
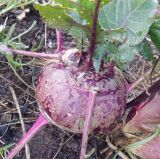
[68, 110]
[84, 91]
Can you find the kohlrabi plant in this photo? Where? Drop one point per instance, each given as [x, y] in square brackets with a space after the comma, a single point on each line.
[82, 89]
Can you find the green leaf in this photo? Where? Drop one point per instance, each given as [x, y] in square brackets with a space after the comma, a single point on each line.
[145, 50]
[86, 10]
[16, 63]
[81, 11]
[81, 123]
[72, 12]
[7, 146]
[134, 16]
[2, 36]
[111, 48]
[66, 4]
[116, 35]
[113, 54]
[16, 45]
[76, 17]
[63, 14]
[127, 53]
[9, 35]
[68, 15]
[79, 34]
[55, 16]
[155, 34]
[104, 2]
[99, 54]
[156, 24]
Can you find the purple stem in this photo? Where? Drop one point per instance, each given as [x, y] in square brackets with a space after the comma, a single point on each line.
[59, 41]
[92, 46]
[90, 106]
[81, 90]
[4, 48]
[38, 125]
[35, 54]
[111, 67]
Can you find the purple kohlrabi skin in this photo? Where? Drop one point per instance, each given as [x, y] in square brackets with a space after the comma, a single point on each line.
[64, 96]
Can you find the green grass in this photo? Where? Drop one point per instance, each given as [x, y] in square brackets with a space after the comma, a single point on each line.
[8, 5]
[3, 151]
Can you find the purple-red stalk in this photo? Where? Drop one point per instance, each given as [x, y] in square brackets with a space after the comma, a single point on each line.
[90, 106]
[92, 95]
[92, 46]
[59, 41]
[38, 125]
[4, 48]
[35, 54]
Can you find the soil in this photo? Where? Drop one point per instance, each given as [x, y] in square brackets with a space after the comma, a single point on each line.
[51, 141]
